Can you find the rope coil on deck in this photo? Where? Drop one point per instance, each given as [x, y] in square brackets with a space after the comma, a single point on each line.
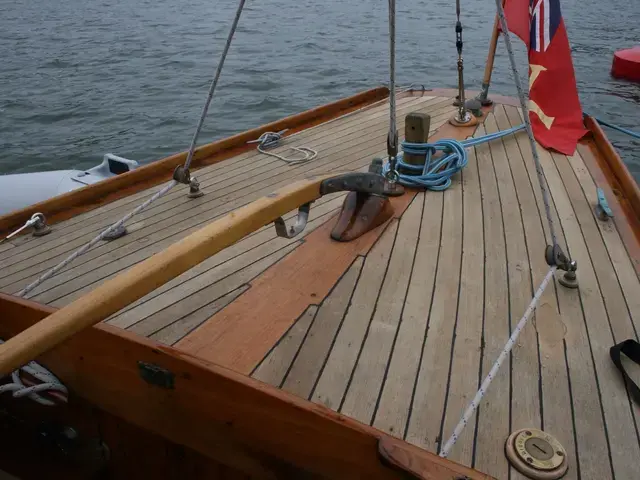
[272, 139]
[436, 174]
[45, 382]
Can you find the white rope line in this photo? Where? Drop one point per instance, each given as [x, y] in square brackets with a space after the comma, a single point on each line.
[50, 273]
[49, 383]
[468, 413]
[272, 139]
[164, 189]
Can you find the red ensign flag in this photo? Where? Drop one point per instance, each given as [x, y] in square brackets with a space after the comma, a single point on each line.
[554, 106]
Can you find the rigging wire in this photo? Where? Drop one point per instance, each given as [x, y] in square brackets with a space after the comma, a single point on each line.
[116, 226]
[392, 138]
[527, 122]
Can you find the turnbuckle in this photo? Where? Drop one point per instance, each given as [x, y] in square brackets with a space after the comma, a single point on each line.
[392, 175]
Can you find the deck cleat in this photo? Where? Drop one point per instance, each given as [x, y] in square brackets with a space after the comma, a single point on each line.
[367, 204]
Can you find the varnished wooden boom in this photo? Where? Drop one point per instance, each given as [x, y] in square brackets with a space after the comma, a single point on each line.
[150, 274]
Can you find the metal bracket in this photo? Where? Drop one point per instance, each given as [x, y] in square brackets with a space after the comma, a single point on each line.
[297, 227]
[194, 189]
[156, 375]
[371, 183]
[116, 233]
[361, 182]
[603, 211]
[182, 175]
[40, 227]
[483, 96]
[556, 257]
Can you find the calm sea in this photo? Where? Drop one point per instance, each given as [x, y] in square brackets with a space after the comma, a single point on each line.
[82, 78]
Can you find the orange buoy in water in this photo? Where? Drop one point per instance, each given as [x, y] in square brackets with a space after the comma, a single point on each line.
[626, 64]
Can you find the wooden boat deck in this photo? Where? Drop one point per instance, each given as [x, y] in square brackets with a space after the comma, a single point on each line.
[398, 328]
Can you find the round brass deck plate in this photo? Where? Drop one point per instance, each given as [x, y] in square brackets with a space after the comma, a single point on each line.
[536, 454]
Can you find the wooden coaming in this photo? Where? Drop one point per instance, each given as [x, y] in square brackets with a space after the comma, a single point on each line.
[228, 417]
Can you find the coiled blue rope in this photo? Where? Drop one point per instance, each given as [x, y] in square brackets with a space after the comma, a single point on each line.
[436, 174]
[618, 128]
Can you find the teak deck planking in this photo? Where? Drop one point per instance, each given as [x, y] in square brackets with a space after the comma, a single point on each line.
[406, 328]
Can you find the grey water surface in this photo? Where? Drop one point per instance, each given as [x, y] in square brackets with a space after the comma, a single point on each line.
[82, 78]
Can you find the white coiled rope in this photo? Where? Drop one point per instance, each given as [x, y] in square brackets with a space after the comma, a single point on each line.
[272, 139]
[45, 382]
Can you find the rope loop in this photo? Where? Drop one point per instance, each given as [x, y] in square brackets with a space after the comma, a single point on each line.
[437, 171]
[272, 139]
[32, 380]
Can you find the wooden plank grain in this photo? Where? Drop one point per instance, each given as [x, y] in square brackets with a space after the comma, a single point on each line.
[612, 296]
[525, 366]
[466, 357]
[588, 419]
[308, 361]
[176, 330]
[622, 262]
[219, 413]
[369, 372]
[493, 414]
[627, 223]
[148, 275]
[428, 402]
[265, 234]
[200, 275]
[395, 400]
[214, 175]
[555, 402]
[222, 179]
[239, 336]
[275, 365]
[618, 417]
[164, 224]
[253, 266]
[334, 377]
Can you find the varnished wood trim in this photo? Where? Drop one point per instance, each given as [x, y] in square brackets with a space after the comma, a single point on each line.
[627, 184]
[216, 411]
[153, 272]
[87, 198]
[625, 217]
